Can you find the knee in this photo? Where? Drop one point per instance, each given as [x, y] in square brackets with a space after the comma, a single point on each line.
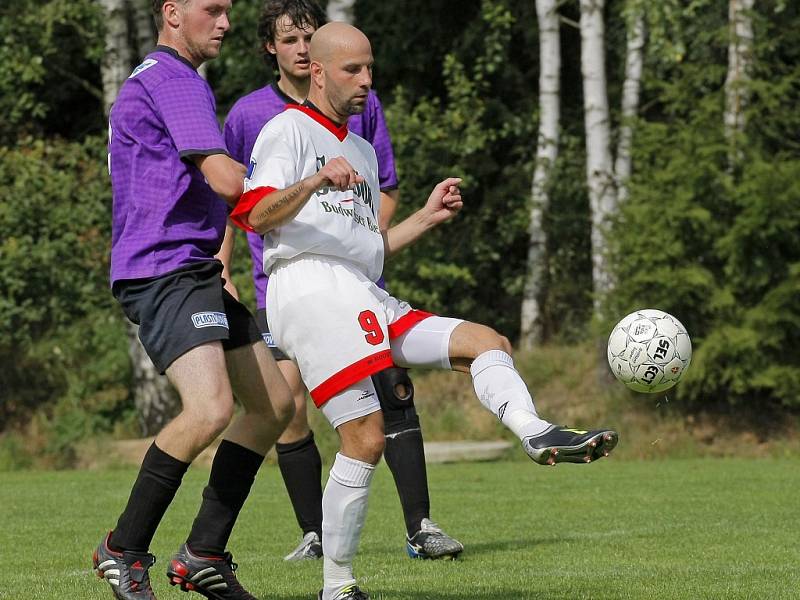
[366, 444]
[284, 407]
[505, 344]
[211, 420]
[394, 388]
[373, 445]
[492, 340]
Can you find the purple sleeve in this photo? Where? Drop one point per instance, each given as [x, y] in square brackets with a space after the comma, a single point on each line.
[234, 137]
[187, 108]
[382, 142]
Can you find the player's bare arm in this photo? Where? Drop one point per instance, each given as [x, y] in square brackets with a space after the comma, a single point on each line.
[281, 206]
[224, 175]
[388, 208]
[442, 205]
[225, 255]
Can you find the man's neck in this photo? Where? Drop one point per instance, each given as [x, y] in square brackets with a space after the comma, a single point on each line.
[294, 87]
[324, 107]
[180, 49]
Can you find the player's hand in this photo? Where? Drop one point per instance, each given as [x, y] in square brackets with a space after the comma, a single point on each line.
[339, 175]
[445, 200]
[231, 289]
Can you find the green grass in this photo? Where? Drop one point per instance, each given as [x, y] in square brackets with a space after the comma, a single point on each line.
[693, 529]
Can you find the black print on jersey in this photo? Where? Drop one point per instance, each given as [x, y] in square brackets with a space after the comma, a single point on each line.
[360, 190]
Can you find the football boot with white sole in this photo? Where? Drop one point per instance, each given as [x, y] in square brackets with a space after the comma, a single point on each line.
[349, 593]
[431, 542]
[562, 444]
[309, 548]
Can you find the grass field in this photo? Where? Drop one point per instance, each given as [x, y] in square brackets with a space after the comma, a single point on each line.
[693, 529]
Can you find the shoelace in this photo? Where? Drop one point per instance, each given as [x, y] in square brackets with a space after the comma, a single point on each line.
[431, 527]
[234, 584]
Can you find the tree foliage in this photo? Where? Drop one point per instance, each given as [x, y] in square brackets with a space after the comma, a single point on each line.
[715, 244]
[719, 246]
[50, 68]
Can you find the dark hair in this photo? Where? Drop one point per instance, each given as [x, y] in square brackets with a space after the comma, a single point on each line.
[302, 14]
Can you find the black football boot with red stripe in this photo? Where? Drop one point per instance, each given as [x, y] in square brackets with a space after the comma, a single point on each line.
[126, 572]
[212, 576]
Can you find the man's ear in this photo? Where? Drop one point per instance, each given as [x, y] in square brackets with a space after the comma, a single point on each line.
[170, 13]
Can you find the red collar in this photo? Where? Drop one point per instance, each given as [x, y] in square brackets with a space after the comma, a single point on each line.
[340, 131]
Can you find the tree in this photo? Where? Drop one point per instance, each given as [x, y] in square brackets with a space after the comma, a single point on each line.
[531, 330]
[634, 57]
[599, 161]
[340, 10]
[740, 48]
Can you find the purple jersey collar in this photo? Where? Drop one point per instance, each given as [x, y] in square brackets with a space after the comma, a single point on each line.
[174, 53]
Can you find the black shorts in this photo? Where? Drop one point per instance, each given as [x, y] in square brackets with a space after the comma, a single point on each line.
[261, 321]
[183, 309]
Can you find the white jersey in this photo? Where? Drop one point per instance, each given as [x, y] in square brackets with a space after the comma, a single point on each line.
[296, 144]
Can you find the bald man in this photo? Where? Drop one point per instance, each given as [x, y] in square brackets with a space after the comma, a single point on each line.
[312, 190]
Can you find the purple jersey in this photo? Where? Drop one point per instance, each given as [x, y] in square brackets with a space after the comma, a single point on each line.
[165, 216]
[249, 115]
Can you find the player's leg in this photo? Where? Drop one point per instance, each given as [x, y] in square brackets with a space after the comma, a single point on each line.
[323, 314]
[202, 563]
[298, 456]
[405, 457]
[301, 468]
[200, 379]
[486, 355]
[193, 359]
[356, 415]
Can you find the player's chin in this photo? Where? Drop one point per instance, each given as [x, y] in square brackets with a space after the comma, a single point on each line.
[357, 105]
[211, 52]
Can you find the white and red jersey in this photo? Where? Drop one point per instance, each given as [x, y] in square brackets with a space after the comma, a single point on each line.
[344, 225]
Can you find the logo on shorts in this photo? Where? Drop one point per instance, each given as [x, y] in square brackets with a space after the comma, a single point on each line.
[209, 319]
[269, 340]
[365, 395]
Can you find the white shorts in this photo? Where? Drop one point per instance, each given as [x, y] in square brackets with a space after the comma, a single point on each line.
[339, 327]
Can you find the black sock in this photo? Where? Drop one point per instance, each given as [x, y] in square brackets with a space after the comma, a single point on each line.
[301, 468]
[405, 457]
[159, 478]
[232, 474]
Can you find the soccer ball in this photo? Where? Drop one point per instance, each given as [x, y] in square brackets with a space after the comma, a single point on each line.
[649, 351]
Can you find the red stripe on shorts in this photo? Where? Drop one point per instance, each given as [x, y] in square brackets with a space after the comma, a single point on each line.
[350, 375]
[407, 321]
[247, 202]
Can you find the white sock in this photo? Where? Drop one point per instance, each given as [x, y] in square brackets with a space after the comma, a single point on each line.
[500, 389]
[344, 508]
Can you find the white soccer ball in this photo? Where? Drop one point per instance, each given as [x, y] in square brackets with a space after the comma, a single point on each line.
[649, 351]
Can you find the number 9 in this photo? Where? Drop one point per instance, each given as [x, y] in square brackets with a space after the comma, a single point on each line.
[369, 323]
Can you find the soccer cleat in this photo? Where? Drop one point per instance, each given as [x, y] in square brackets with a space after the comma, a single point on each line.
[562, 444]
[431, 542]
[349, 593]
[212, 576]
[309, 548]
[126, 572]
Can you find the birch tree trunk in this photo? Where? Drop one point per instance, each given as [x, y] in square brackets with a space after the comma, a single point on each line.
[740, 50]
[599, 162]
[155, 399]
[116, 64]
[630, 101]
[340, 10]
[532, 330]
